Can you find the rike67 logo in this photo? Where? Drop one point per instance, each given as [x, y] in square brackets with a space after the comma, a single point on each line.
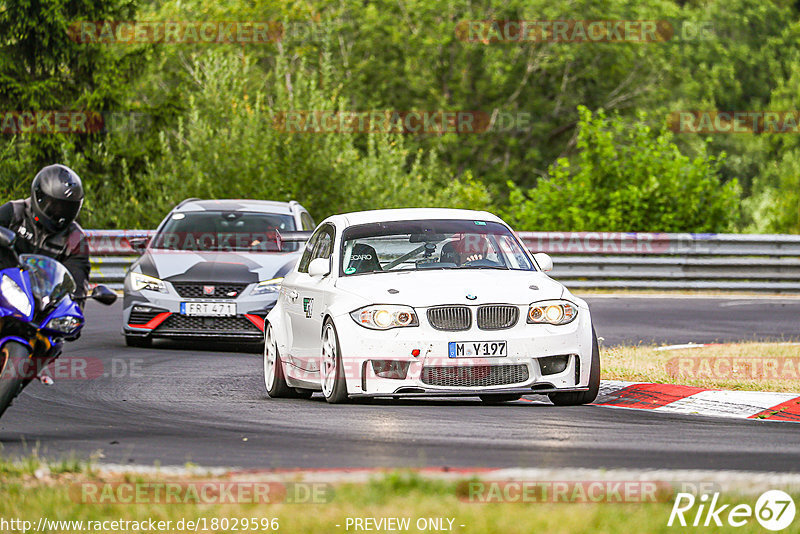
[774, 510]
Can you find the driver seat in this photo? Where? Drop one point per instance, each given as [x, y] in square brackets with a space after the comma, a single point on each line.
[363, 259]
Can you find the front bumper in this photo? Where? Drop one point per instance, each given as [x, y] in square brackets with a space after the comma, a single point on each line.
[469, 392]
[158, 315]
[434, 372]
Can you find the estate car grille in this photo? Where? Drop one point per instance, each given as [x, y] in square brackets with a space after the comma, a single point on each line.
[451, 318]
[236, 323]
[475, 376]
[210, 290]
[497, 317]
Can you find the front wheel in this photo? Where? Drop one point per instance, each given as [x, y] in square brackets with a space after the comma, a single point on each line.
[274, 379]
[11, 357]
[334, 386]
[575, 398]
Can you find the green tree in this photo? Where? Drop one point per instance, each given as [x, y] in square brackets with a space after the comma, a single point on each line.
[626, 177]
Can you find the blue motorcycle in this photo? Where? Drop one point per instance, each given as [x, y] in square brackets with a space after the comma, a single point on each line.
[38, 313]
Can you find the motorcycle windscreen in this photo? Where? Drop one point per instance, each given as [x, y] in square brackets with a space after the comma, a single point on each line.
[50, 280]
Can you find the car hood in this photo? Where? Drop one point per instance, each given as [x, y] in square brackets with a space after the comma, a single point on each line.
[180, 266]
[430, 288]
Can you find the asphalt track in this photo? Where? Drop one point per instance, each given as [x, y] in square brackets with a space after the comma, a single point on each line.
[206, 404]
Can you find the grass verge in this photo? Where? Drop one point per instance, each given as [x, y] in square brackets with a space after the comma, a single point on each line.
[736, 366]
[30, 490]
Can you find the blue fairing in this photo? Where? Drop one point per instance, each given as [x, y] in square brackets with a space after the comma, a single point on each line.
[22, 279]
[66, 307]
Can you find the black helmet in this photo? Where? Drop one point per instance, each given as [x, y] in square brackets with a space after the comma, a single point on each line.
[56, 196]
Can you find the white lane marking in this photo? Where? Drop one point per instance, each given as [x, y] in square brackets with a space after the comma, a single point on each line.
[727, 403]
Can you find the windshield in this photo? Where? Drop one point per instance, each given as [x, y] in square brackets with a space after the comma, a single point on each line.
[50, 280]
[205, 231]
[431, 244]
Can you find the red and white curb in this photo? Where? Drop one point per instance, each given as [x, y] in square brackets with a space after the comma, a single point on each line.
[692, 400]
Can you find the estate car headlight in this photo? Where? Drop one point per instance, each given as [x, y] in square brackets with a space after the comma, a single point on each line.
[267, 286]
[141, 281]
[65, 325]
[555, 312]
[15, 296]
[385, 316]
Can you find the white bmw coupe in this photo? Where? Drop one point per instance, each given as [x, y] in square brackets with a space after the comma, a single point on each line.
[427, 302]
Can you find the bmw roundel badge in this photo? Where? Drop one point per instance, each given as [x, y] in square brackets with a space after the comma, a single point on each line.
[470, 296]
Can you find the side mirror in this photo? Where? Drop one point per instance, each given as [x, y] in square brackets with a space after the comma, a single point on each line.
[139, 243]
[544, 260]
[103, 295]
[319, 267]
[7, 237]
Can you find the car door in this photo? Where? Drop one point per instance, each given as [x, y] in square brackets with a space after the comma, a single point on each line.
[306, 311]
[292, 304]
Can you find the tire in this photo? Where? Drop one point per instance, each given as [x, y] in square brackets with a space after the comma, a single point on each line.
[139, 341]
[499, 398]
[576, 398]
[274, 379]
[334, 385]
[10, 386]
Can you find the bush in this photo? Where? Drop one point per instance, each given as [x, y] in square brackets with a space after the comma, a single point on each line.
[626, 177]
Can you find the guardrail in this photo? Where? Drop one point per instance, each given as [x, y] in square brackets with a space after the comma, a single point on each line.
[746, 262]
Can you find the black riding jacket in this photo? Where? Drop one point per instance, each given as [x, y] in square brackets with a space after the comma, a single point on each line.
[69, 246]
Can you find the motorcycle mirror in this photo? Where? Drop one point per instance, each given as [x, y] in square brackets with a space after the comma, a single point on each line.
[104, 295]
[139, 244]
[7, 237]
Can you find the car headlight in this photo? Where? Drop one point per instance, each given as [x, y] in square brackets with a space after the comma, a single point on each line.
[268, 286]
[65, 325]
[555, 312]
[15, 296]
[141, 281]
[384, 317]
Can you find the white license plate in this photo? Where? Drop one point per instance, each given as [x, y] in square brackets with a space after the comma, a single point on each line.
[477, 349]
[208, 309]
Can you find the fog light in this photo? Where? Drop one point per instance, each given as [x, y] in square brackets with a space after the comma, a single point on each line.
[393, 369]
[552, 365]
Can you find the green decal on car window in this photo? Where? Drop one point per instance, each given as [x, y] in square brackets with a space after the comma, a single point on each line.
[480, 223]
[350, 270]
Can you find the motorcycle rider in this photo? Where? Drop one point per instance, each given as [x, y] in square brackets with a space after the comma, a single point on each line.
[45, 222]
